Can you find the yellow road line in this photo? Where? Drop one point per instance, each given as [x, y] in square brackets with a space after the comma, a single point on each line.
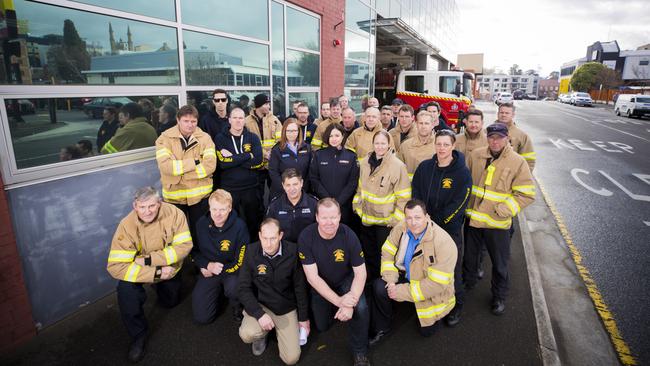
[622, 349]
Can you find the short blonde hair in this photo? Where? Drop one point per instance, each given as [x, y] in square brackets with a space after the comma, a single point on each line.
[221, 196]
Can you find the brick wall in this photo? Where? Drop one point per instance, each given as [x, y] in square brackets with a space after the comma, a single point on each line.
[16, 324]
[332, 58]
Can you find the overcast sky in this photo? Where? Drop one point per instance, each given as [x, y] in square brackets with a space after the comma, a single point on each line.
[543, 34]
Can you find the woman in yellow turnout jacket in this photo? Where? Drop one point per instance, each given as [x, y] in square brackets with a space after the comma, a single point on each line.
[383, 190]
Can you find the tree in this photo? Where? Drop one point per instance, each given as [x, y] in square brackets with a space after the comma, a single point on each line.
[586, 76]
[71, 57]
[609, 79]
[515, 70]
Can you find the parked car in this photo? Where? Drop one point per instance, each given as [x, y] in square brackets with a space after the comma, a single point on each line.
[519, 95]
[95, 108]
[24, 107]
[632, 105]
[503, 97]
[530, 97]
[564, 98]
[578, 98]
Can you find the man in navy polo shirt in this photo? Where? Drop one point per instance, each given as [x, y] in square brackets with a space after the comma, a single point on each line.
[333, 263]
[294, 209]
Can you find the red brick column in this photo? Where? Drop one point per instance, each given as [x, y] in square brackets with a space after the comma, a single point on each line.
[16, 323]
[332, 57]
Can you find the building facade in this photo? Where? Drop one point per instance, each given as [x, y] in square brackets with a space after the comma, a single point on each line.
[65, 61]
[495, 83]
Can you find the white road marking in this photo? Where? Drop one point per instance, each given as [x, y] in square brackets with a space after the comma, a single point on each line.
[647, 223]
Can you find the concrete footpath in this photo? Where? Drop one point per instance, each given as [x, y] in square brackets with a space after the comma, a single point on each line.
[96, 336]
[550, 320]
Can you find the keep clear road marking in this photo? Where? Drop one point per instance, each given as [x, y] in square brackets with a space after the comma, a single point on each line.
[610, 127]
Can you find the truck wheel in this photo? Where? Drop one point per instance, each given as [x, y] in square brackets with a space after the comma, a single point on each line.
[617, 112]
[629, 114]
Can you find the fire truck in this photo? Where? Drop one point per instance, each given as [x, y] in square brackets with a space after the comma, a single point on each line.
[451, 89]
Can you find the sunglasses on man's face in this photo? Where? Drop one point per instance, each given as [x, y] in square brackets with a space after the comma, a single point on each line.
[222, 100]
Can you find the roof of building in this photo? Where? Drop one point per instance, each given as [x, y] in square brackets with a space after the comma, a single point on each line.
[635, 53]
[610, 46]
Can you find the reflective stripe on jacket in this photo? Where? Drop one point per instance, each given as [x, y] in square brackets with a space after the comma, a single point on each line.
[522, 144]
[431, 284]
[166, 240]
[183, 181]
[136, 134]
[500, 190]
[382, 195]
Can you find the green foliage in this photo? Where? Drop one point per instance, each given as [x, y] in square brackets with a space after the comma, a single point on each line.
[586, 77]
[70, 58]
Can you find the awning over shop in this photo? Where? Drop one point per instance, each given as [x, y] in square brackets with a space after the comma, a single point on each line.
[394, 33]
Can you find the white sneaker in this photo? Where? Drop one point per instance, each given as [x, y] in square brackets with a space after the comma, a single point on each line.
[259, 346]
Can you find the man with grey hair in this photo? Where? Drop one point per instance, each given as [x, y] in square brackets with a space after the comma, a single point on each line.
[149, 246]
[360, 140]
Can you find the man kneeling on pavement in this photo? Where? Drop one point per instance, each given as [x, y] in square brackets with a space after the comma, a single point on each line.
[417, 265]
[274, 293]
[149, 246]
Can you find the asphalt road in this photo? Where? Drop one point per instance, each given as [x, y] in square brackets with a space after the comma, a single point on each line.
[596, 169]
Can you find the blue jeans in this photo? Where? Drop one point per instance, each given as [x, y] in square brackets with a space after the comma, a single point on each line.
[324, 312]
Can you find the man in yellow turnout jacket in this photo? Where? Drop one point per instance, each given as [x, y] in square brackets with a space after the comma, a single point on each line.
[502, 186]
[149, 246]
[186, 158]
[136, 132]
[417, 265]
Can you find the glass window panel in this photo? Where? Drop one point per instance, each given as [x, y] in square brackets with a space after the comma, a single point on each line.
[249, 18]
[357, 98]
[311, 98]
[277, 34]
[54, 45]
[302, 30]
[303, 68]
[356, 74]
[357, 47]
[164, 9]
[356, 12]
[48, 130]
[382, 7]
[214, 60]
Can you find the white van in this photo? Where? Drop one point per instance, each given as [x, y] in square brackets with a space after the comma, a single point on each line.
[632, 105]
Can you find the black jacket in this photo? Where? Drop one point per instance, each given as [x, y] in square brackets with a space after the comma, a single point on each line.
[106, 131]
[444, 190]
[293, 218]
[283, 159]
[308, 131]
[441, 125]
[334, 173]
[239, 171]
[225, 245]
[278, 283]
[213, 125]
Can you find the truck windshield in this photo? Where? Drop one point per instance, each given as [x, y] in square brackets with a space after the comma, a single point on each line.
[467, 87]
[414, 83]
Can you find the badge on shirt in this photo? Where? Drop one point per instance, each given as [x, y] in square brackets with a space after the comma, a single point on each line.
[323, 163]
[286, 155]
[224, 246]
[247, 147]
[339, 255]
[282, 212]
[301, 256]
[361, 254]
[308, 133]
[344, 161]
[303, 152]
[306, 211]
[261, 269]
[446, 183]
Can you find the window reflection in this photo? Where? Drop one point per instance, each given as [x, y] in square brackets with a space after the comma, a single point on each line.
[356, 74]
[356, 12]
[303, 68]
[277, 30]
[49, 130]
[214, 60]
[53, 45]
[302, 30]
[310, 98]
[164, 9]
[357, 98]
[246, 18]
[357, 47]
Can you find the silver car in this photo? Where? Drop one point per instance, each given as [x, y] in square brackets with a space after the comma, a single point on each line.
[583, 99]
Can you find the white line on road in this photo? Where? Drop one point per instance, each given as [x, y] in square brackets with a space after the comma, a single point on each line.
[647, 223]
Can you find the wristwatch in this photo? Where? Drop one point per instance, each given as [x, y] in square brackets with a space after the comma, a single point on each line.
[158, 273]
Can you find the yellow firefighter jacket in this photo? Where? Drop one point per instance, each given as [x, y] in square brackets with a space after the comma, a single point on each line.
[272, 131]
[501, 188]
[413, 152]
[166, 240]
[360, 140]
[136, 134]
[522, 144]
[431, 282]
[317, 141]
[397, 131]
[382, 194]
[183, 180]
[466, 144]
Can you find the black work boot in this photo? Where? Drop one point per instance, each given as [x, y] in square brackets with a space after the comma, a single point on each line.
[453, 318]
[136, 350]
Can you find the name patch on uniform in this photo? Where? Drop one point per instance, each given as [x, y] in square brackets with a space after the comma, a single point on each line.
[446, 183]
[323, 163]
[285, 155]
[247, 147]
[302, 152]
[344, 161]
[224, 246]
[282, 212]
[339, 255]
[261, 269]
[306, 210]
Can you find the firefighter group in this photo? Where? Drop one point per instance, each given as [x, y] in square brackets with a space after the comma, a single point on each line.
[308, 222]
